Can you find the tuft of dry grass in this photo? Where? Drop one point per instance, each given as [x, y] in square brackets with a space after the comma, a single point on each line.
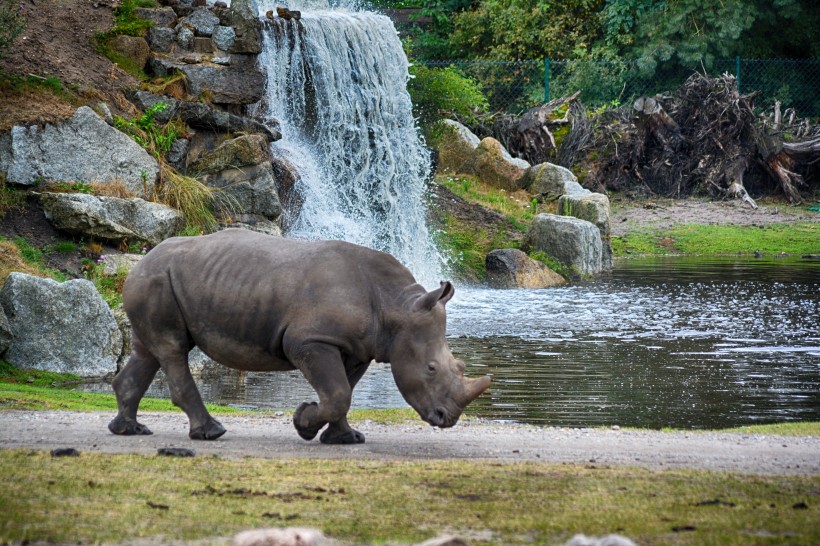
[12, 260]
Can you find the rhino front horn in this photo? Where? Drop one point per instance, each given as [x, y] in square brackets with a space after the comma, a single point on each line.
[475, 387]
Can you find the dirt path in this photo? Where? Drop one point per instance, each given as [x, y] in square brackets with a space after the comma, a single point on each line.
[665, 213]
[274, 437]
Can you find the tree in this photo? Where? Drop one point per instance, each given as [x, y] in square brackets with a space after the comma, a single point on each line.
[11, 22]
[527, 29]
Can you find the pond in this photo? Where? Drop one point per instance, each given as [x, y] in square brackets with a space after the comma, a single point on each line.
[658, 342]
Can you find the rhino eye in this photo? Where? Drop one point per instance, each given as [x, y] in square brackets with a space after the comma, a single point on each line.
[431, 368]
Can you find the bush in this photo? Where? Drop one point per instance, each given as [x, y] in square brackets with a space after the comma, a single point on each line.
[444, 92]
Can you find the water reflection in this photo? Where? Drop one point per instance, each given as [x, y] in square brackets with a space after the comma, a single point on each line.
[658, 342]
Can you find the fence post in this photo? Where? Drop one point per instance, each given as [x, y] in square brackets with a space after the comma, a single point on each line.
[737, 72]
[546, 80]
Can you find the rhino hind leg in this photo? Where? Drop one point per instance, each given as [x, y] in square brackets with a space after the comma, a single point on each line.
[129, 386]
[185, 395]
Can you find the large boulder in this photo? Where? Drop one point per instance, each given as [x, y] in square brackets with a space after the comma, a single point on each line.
[161, 39]
[133, 48]
[65, 328]
[247, 191]
[164, 17]
[549, 182]
[574, 242]
[225, 84]
[512, 268]
[455, 146]
[201, 116]
[111, 218]
[6, 337]
[592, 207]
[84, 148]
[201, 21]
[242, 18]
[493, 165]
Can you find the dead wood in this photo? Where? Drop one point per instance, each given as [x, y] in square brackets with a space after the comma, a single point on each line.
[530, 136]
[703, 139]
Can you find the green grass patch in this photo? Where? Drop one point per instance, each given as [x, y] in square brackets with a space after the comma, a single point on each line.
[810, 428]
[704, 240]
[31, 257]
[98, 498]
[517, 207]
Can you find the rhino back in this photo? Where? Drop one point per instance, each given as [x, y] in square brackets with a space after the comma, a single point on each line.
[244, 295]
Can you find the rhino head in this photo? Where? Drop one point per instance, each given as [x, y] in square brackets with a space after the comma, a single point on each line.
[429, 378]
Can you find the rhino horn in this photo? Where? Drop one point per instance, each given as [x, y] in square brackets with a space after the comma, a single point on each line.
[474, 387]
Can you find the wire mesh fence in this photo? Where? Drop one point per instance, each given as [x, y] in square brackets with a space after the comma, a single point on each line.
[516, 86]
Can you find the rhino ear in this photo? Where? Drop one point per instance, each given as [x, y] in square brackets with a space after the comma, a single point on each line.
[442, 295]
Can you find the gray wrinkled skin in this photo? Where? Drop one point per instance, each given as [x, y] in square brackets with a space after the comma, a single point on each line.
[255, 302]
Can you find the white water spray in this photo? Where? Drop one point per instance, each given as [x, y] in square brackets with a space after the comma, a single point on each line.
[337, 85]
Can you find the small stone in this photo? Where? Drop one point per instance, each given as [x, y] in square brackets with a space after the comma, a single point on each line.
[176, 452]
[65, 452]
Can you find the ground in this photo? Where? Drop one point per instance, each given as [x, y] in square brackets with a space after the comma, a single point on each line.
[58, 42]
[273, 436]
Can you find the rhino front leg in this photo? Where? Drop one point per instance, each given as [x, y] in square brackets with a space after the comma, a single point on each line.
[129, 386]
[323, 368]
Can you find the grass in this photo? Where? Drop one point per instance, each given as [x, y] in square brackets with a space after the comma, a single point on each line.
[705, 240]
[19, 255]
[517, 207]
[110, 498]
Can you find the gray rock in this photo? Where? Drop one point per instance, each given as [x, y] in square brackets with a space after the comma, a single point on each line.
[201, 20]
[491, 162]
[64, 328]
[225, 84]
[133, 48]
[247, 27]
[185, 40]
[292, 536]
[111, 218]
[84, 148]
[512, 268]
[287, 178]
[203, 116]
[254, 222]
[455, 147]
[178, 154]
[161, 39]
[592, 207]
[6, 336]
[161, 17]
[114, 264]
[236, 153]
[250, 190]
[224, 37]
[575, 243]
[145, 100]
[124, 325]
[550, 182]
[609, 540]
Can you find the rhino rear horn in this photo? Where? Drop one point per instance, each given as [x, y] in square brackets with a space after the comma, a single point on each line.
[442, 294]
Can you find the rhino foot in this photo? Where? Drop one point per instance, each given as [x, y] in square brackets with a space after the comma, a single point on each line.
[211, 430]
[306, 432]
[127, 427]
[347, 437]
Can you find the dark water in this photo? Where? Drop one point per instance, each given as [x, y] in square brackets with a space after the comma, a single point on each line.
[678, 342]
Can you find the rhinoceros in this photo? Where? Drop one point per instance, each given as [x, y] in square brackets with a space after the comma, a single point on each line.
[263, 303]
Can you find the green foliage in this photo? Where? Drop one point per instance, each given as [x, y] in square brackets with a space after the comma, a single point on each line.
[109, 286]
[444, 92]
[145, 131]
[37, 378]
[126, 20]
[70, 187]
[10, 198]
[12, 22]
[527, 29]
[705, 240]
[565, 271]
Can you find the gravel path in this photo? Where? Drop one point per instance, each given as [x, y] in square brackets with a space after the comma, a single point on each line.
[266, 436]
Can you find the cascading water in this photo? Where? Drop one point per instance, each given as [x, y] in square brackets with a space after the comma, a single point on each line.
[337, 85]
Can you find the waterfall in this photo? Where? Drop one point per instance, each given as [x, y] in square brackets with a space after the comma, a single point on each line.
[337, 85]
